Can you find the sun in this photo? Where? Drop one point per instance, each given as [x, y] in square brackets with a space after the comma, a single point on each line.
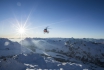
[21, 30]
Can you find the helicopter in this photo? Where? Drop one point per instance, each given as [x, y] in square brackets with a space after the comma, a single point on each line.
[45, 30]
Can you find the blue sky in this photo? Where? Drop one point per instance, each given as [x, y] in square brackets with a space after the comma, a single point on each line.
[66, 18]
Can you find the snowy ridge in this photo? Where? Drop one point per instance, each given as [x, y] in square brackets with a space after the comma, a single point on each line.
[82, 49]
[8, 48]
[50, 53]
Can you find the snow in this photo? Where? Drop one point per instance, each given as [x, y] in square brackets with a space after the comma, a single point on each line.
[8, 48]
[52, 54]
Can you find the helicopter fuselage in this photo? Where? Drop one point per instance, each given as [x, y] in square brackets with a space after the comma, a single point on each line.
[46, 31]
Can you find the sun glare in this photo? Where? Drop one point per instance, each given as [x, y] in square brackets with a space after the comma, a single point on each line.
[21, 30]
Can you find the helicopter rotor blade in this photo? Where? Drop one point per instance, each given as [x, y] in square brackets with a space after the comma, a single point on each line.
[47, 27]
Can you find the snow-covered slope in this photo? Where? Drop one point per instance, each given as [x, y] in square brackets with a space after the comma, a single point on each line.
[13, 57]
[51, 53]
[8, 48]
[35, 61]
[85, 50]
